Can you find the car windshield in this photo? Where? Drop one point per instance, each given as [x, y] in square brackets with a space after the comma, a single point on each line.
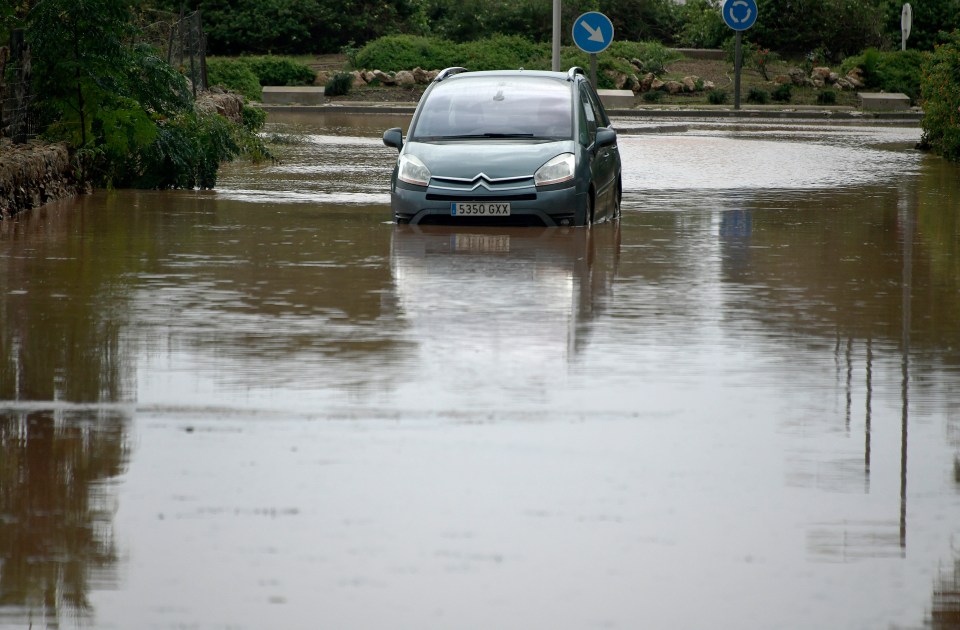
[497, 107]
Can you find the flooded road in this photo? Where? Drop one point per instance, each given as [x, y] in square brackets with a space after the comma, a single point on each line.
[266, 406]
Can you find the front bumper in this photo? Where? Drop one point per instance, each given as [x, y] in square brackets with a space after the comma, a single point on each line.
[551, 206]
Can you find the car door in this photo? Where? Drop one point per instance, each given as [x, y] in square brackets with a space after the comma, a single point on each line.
[604, 160]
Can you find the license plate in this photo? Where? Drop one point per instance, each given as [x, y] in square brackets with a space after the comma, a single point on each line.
[480, 209]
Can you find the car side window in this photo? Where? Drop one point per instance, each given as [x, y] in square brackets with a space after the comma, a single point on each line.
[599, 113]
[591, 119]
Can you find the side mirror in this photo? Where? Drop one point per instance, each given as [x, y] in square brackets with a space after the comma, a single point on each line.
[393, 138]
[606, 136]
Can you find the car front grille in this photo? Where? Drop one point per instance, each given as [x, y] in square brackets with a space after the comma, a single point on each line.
[471, 196]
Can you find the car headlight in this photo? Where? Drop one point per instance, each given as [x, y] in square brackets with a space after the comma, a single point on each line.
[559, 169]
[412, 171]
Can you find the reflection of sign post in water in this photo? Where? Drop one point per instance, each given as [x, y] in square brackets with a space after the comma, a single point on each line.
[592, 33]
[739, 15]
[906, 21]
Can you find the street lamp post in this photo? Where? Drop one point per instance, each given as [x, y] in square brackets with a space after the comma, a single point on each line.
[556, 36]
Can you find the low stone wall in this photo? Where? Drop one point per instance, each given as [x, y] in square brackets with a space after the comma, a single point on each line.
[33, 174]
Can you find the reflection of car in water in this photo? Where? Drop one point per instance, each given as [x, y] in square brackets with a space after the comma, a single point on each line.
[517, 298]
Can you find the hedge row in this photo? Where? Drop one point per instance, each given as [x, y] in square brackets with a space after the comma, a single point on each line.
[247, 75]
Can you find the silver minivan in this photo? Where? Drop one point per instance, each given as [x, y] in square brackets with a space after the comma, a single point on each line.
[507, 147]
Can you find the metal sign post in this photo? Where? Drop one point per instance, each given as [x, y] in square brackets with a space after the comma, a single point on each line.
[739, 15]
[592, 33]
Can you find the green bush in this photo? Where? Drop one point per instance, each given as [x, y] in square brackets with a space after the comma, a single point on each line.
[940, 94]
[253, 117]
[717, 97]
[702, 25]
[405, 52]
[898, 71]
[839, 27]
[652, 96]
[827, 97]
[234, 75]
[782, 93]
[758, 96]
[498, 52]
[339, 84]
[272, 70]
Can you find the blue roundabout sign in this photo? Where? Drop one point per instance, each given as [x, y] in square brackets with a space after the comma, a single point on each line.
[740, 14]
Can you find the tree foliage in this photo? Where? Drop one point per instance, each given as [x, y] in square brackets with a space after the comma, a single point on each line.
[299, 26]
[126, 112]
[940, 94]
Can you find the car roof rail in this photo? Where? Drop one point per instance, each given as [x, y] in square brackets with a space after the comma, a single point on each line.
[449, 72]
[574, 71]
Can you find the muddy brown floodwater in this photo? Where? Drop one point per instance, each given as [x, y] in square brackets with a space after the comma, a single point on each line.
[266, 406]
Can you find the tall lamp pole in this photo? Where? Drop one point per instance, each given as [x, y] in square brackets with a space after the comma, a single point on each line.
[556, 36]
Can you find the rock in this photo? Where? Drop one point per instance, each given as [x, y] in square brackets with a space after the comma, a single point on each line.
[818, 83]
[368, 76]
[799, 77]
[821, 74]
[674, 87]
[647, 81]
[358, 80]
[421, 76]
[833, 77]
[657, 84]
[383, 78]
[404, 78]
[619, 78]
[855, 78]
[843, 84]
[322, 77]
[690, 83]
[709, 85]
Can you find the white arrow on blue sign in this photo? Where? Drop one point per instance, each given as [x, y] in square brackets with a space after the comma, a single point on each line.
[740, 14]
[592, 32]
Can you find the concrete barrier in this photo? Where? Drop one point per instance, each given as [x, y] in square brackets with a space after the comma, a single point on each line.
[293, 95]
[617, 98]
[883, 101]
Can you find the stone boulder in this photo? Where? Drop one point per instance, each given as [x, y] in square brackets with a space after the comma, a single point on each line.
[383, 78]
[404, 78]
[421, 76]
[674, 87]
[820, 74]
[690, 83]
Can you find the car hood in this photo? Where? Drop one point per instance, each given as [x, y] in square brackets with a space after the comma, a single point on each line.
[494, 158]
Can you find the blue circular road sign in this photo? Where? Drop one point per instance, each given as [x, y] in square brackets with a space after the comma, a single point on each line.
[592, 32]
[740, 14]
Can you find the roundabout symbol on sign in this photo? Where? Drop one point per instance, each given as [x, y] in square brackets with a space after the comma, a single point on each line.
[740, 14]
